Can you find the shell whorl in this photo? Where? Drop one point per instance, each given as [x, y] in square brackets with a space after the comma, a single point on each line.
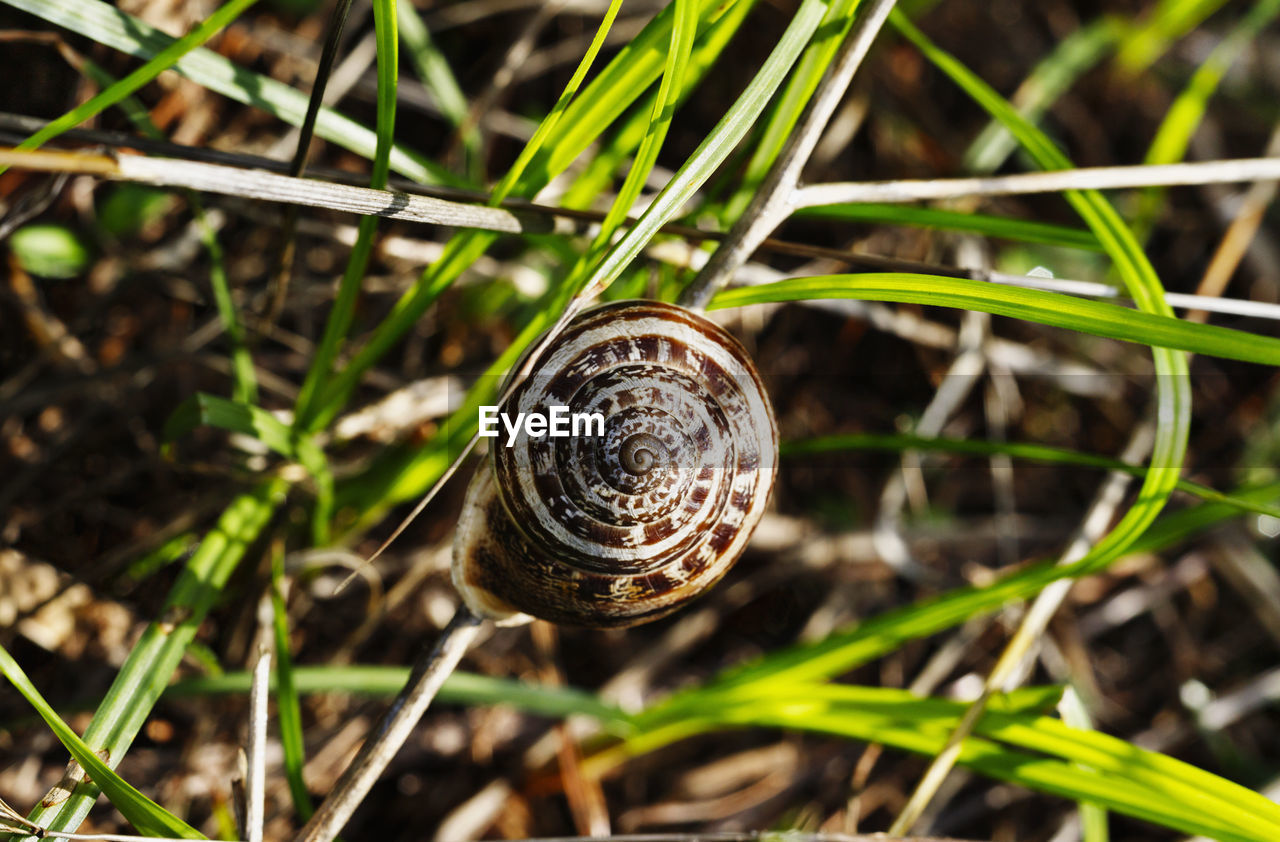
[621, 528]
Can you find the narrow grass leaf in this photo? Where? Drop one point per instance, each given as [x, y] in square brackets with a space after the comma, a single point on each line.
[104, 24]
[1048, 81]
[1019, 450]
[1093, 819]
[1020, 230]
[144, 814]
[162, 61]
[157, 653]
[288, 709]
[683, 31]
[1166, 22]
[1012, 742]
[1188, 109]
[1041, 306]
[791, 102]
[233, 416]
[460, 688]
[338, 324]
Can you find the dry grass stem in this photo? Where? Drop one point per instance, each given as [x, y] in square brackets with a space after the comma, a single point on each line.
[1084, 178]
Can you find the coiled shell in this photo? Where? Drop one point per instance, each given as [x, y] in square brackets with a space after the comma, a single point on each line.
[621, 528]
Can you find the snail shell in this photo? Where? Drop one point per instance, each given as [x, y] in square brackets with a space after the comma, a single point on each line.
[621, 528]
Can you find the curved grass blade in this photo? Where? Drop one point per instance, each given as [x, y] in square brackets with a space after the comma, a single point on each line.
[683, 30]
[1048, 308]
[791, 102]
[460, 252]
[1011, 742]
[144, 814]
[1172, 388]
[1048, 81]
[1044, 454]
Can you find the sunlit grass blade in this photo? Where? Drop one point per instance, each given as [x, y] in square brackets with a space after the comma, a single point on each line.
[320, 371]
[683, 30]
[162, 61]
[1012, 742]
[791, 102]
[288, 709]
[143, 813]
[1166, 22]
[1172, 389]
[1049, 80]
[1019, 450]
[244, 385]
[1093, 819]
[601, 169]
[323, 403]
[1188, 109]
[107, 25]
[1048, 308]
[1021, 230]
[155, 656]
[434, 71]
[460, 688]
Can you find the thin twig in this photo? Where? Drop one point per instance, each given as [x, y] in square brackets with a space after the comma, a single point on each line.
[256, 783]
[429, 672]
[773, 202]
[1083, 178]
[253, 184]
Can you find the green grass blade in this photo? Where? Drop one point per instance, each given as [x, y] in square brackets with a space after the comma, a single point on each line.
[1021, 230]
[1049, 308]
[107, 25]
[1048, 81]
[235, 417]
[791, 102]
[157, 653]
[600, 171]
[344, 306]
[1043, 454]
[611, 93]
[1093, 819]
[683, 30]
[1172, 381]
[1168, 21]
[288, 709]
[162, 61]
[460, 688]
[544, 133]
[1188, 109]
[144, 814]
[460, 252]
[1012, 742]
[430, 64]
[244, 381]
[711, 153]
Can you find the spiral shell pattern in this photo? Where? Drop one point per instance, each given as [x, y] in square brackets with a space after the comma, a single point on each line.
[621, 528]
